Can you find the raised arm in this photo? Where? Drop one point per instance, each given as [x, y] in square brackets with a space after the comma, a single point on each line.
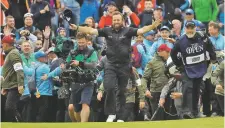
[147, 28]
[87, 30]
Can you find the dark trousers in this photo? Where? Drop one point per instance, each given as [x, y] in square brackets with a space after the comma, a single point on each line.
[114, 74]
[3, 99]
[206, 97]
[128, 112]
[154, 101]
[220, 100]
[11, 112]
[195, 83]
[41, 109]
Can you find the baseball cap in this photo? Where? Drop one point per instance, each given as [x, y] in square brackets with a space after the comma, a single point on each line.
[152, 32]
[39, 54]
[190, 24]
[8, 39]
[189, 11]
[164, 28]
[164, 47]
[112, 3]
[159, 8]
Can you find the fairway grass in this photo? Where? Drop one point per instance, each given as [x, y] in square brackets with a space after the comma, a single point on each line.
[216, 122]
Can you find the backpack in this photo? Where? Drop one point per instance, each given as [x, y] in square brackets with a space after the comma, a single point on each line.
[136, 56]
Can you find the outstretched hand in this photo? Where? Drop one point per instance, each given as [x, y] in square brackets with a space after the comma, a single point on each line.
[47, 32]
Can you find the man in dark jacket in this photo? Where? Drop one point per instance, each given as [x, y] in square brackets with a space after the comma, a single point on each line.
[42, 14]
[173, 8]
[13, 75]
[146, 16]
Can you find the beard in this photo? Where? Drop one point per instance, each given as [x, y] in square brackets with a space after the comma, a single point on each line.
[191, 35]
[117, 26]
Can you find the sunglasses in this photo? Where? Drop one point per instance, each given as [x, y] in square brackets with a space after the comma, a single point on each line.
[189, 14]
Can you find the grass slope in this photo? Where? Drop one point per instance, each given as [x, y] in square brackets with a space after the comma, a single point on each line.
[217, 122]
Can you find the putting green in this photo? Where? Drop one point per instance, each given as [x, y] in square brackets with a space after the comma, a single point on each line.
[217, 122]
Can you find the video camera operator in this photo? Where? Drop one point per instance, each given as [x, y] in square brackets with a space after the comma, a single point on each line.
[84, 59]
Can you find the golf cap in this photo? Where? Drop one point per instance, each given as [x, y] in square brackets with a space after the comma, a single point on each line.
[190, 24]
[8, 39]
[189, 11]
[164, 47]
[39, 54]
[164, 28]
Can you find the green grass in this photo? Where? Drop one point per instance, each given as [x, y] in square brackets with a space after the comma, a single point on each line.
[217, 122]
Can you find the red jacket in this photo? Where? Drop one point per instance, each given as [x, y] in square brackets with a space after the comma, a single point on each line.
[107, 20]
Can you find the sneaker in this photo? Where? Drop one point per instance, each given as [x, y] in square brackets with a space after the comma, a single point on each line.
[200, 115]
[146, 118]
[188, 116]
[120, 121]
[111, 118]
[214, 114]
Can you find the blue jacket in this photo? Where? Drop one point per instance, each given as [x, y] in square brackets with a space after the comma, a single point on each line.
[89, 9]
[156, 45]
[28, 71]
[218, 42]
[45, 87]
[148, 44]
[70, 3]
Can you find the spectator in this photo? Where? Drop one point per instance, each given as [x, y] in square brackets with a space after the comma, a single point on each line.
[90, 22]
[176, 30]
[146, 17]
[164, 39]
[149, 39]
[89, 8]
[17, 9]
[131, 19]
[142, 5]
[215, 36]
[221, 17]
[106, 19]
[42, 13]
[154, 71]
[74, 6]
[9, 27]
[56, 107]
[28, 23]
[39, 35]
[173, 8]
[189, 16]
[44, 85]
[141, 50]
[201, 7]
[219, 91]
[55, 5]
[13, 82]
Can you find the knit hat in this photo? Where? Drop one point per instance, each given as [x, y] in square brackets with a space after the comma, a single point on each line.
[60, 28]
